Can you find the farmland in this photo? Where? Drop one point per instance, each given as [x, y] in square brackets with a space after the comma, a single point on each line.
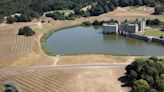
[17, 51]
[16, 46]
[68, 79]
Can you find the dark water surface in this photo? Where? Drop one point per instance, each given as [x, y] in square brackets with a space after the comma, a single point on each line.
[81, 40]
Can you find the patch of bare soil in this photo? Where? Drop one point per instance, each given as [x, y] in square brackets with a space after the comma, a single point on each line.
[93, 59]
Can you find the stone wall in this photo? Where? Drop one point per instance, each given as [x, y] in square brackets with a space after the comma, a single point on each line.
[139, 37]
[161, 41]
[145, 38]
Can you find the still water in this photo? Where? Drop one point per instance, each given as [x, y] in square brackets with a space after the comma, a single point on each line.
[90, 40]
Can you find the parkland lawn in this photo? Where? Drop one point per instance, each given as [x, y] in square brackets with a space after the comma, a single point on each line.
[154, 31]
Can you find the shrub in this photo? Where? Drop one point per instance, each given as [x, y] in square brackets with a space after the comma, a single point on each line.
[10, 19]
[26, 31]
[87, 23]
[153, 22]
[56, 16]
[1, 19]
[96, 22]
[23, 18]
[10, 87]
[141, 86]
[161, 37]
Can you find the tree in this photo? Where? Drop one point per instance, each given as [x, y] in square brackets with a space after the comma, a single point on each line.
[10, 20]
[95, 11]
[131, 2]
[26, 31]
[157, 11]
[160, 84]
[156, 21]
[10, 87]
[1, 19]
[23, 18]
[153, 90]
[106, 9]
[137, 2]
[145, 75]
[141, 86]
[124, 3]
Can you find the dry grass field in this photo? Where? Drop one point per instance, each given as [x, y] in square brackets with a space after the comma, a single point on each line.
[93, 59]
[17, 51]
[68, 79]
[26, 52]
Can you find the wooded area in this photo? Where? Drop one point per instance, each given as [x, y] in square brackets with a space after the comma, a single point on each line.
[34, 9]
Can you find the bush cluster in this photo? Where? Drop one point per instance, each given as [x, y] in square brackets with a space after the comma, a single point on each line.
[26, 31]
[145, 75]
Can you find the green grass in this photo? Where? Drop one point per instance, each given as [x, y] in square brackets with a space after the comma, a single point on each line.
[66, 12]
[137, 8]
[162, 21]
[153, 31]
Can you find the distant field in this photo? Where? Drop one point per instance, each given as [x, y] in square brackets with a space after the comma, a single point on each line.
[137, 8]
[154, 31]
[66, 12]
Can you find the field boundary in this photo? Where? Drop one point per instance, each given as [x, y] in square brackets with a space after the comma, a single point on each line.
[68, 66]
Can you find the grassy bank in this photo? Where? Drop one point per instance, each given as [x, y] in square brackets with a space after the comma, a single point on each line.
[155, 32]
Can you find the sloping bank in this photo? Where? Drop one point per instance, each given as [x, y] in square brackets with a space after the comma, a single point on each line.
[49, 33]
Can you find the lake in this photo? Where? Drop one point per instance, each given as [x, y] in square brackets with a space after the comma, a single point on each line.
[90, 40]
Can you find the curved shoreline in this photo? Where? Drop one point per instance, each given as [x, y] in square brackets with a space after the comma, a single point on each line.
[46, 35]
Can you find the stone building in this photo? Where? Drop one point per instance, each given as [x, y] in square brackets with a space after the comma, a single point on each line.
[162, 27]
[110, 28]
[128, 28]
[142, 24]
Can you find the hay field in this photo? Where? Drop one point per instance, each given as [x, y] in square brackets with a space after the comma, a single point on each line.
[67, 79]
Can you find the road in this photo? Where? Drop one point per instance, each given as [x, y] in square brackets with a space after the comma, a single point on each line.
[67, 66]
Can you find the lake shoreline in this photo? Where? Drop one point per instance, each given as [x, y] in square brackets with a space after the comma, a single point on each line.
[123, 39]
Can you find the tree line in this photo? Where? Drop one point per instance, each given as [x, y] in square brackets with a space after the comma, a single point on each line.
[36, 8]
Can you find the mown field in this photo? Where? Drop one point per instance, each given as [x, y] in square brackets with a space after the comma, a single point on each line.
[13, 45]
[65, 79]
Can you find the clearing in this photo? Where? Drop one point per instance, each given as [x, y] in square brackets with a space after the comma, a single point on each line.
[137, 8]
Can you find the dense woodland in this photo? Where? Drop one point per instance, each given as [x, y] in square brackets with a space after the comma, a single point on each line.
[145, 75]
[36, 8]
